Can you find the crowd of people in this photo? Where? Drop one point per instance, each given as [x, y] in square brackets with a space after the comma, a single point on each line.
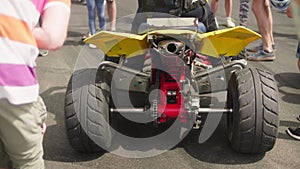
[23, 112]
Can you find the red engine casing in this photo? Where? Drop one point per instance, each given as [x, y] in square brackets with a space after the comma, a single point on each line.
[171, 102]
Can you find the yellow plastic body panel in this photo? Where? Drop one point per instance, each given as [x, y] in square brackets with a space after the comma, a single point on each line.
[226, 42]
[116, 44]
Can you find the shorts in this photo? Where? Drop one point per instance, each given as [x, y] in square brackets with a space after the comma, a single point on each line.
[298, 51]
[21, 134]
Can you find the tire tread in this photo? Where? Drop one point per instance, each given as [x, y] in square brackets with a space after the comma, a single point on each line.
[248, 100]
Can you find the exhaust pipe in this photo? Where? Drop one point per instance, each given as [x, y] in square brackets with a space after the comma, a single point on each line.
[171, 46]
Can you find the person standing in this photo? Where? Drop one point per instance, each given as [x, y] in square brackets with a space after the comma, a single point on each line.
[98, 7]
[244, 12]
[22, 111]
[93, 7]
[264, 19]
[294, 11]
[228, 9]
[291, 14]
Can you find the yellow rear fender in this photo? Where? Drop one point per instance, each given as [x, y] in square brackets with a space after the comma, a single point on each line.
[226, 42]
[116, 44]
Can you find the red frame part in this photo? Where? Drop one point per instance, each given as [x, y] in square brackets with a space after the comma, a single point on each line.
[170, 80]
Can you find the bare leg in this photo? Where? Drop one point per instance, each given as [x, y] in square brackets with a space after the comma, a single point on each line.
[112, 14]
[214, 6]
[228, 7]
[271, 23]
[263, 15]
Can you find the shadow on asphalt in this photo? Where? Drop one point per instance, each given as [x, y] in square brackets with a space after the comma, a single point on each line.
[291, 81]
[56, 144]
[216, 149]
[74, 39]
[287, 124]
[57, 148]
[289, 36]
[287, 84]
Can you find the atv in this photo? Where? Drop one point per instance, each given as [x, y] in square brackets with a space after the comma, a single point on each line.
[164, 75]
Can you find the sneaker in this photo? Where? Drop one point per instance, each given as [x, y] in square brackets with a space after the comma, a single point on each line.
[92, 46]
[230, 23]
[294, 132]
[258, 48]
[43, 52]
[262, 55]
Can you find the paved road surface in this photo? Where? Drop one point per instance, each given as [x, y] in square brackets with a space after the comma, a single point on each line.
[55, 69]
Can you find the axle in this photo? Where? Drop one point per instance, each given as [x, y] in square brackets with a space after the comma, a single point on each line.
[142, 110]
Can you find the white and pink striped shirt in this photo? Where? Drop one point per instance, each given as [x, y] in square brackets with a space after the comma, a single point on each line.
[18, 48]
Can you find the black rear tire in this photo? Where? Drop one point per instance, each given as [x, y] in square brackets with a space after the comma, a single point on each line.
[87, 111]
[253, 124]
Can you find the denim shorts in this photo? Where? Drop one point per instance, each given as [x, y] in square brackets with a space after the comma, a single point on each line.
[21, 134]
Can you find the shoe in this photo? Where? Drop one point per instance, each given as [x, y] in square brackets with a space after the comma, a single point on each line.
[230, 23]
[113, 29]
[262, 55]
[92, 46]
[258, 48]
[294, 132]
[85, 36]
[43, 52]
[298, 118]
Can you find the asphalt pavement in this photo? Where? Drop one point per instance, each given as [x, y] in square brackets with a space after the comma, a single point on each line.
[55, 70]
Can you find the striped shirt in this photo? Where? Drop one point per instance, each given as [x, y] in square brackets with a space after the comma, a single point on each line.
[18, 48]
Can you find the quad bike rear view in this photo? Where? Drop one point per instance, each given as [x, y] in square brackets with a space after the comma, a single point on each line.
[177, 67]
